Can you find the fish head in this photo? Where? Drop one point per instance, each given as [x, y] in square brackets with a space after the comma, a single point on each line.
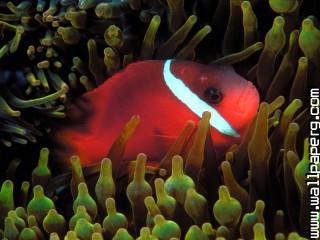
[231, 99]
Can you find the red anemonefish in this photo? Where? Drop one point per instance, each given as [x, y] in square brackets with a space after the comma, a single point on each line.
[165, 94]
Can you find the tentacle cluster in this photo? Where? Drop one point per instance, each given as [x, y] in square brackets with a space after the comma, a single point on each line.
[210, 197]
[256, 190]
[68, 47]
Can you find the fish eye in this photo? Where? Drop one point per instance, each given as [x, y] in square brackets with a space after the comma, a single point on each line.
[213, 95]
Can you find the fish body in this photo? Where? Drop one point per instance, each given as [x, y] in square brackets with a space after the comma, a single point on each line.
[165, 94]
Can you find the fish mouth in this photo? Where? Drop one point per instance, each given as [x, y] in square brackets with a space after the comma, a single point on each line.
[248, 98]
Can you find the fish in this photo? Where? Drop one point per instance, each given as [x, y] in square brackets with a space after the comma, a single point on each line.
[165, 94]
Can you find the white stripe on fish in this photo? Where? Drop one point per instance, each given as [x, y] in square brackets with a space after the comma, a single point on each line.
[194, 103]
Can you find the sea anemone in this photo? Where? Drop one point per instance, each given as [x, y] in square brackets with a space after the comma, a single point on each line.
[213, 204]
[210, 197]
[65, 48]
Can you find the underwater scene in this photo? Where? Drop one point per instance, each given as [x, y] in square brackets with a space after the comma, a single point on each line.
[159, 119]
